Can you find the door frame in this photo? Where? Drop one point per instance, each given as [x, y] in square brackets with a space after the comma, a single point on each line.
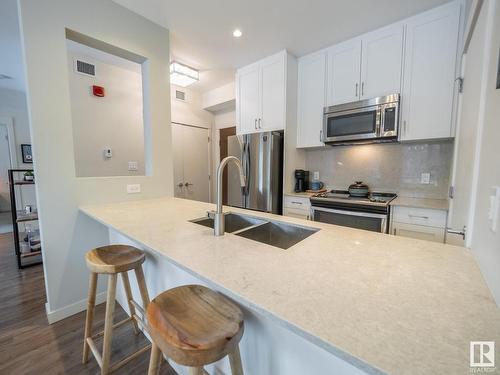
[9, 123]
[209, 151]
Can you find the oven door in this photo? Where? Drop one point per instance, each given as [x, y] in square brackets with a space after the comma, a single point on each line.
[359, 220]
[352, 125]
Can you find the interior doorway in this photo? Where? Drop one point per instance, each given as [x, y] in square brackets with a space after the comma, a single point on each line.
[191, 149]
[223, 152]
[8, 160]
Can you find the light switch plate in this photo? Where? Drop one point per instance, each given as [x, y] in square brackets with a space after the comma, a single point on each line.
[316, 175]
[133, 188]
[425, 178]
[133, 166]
[494, 208]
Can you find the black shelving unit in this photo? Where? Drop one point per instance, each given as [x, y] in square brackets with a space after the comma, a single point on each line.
[24, 259]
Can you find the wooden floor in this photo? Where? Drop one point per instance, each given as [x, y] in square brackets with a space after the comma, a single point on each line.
[29, 345]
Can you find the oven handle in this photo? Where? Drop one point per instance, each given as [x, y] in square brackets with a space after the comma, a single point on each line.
[350, 213]
[383, 223]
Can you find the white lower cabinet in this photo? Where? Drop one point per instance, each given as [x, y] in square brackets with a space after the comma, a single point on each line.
[419, 223]
[418, 231]
[296, 206]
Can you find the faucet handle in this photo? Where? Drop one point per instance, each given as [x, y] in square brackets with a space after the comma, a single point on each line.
[211, 214]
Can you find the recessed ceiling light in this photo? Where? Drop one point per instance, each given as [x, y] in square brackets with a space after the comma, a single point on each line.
[237, 33]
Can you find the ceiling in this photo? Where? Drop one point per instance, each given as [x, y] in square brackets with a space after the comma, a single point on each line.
[201, 31]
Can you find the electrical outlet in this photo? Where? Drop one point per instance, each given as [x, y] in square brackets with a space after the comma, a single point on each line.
[316, 175]
[108, 153]
[132, 166]
[133, 188]
[425, 178]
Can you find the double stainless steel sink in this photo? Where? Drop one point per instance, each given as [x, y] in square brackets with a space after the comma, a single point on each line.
[270, 232]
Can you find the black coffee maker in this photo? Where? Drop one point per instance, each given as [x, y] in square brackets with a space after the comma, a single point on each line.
[301, 180]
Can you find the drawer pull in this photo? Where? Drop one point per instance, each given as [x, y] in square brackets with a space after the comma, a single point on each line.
[418, 217]
[295, 202]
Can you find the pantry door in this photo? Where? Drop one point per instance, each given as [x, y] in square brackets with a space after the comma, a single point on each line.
[191, 162]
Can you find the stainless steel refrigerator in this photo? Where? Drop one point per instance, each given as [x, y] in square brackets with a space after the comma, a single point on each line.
[261, 155]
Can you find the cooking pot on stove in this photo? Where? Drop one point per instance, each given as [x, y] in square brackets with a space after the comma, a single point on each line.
[358, 189]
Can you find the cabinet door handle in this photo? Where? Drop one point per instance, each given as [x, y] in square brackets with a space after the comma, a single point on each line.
[187, 184]
[255, 123]
[418, 217]
[295, 202]
[260, 123]
[357, 89]
[404, 127]
[362, 88]
[321, 135]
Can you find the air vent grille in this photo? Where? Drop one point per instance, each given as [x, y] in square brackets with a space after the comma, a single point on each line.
[181, 95]
[85, 68]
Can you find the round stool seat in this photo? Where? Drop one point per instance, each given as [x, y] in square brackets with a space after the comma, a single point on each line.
[194, 325]
[114, 259]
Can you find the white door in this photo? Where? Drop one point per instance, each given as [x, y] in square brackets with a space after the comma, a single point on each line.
[196, 163]
[191, 162]
[5, 165]
[249, 98]
[429, 74]
[381, 64]
[178, 152]
[311, 100]
[273, 94]
[469, 118]
[344, 68]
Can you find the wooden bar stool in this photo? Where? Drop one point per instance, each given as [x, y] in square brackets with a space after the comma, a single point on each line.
[194, 326]
[113, 260]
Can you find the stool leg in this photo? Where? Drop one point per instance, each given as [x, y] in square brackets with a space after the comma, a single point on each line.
[90, 315]
[128, 293]
[108, 324]
[154, 360]
[142, 287]
[196, 371]
[235, 361]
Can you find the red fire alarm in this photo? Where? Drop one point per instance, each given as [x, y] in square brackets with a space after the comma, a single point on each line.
[98, 91]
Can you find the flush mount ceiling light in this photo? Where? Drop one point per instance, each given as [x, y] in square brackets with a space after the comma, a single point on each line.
[237, 33]
[3, 76]
[183, 75]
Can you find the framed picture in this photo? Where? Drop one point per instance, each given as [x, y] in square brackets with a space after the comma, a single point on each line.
[27, 156]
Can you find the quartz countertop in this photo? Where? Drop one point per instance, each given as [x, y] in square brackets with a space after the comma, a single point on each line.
[303, 194]
[383, 303]
[433, 204]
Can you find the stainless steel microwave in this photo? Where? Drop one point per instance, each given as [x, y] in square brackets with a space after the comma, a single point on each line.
[365, 121]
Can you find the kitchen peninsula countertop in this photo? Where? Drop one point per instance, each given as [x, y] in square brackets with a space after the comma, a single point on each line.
[385, 304]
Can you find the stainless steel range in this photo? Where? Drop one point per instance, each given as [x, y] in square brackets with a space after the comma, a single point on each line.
[338, 207]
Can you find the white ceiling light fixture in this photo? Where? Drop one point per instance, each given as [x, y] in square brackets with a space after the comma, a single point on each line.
[183, 75]
[237, 33]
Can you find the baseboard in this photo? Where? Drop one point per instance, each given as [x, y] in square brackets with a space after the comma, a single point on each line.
[74, 308]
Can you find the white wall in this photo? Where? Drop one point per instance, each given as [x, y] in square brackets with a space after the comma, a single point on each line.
[66, 234]
[485, 243]
[114, 121]
[190, 111]
[220, 98]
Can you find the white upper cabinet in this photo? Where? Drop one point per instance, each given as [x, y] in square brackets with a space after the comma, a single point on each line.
[381, 63]
[261, 95]
[273, 93]
[248, 93]
[311, 99]
[344, 64]
[429, 73]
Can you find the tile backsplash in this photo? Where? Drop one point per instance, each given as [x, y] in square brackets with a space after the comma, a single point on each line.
[391, 167]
